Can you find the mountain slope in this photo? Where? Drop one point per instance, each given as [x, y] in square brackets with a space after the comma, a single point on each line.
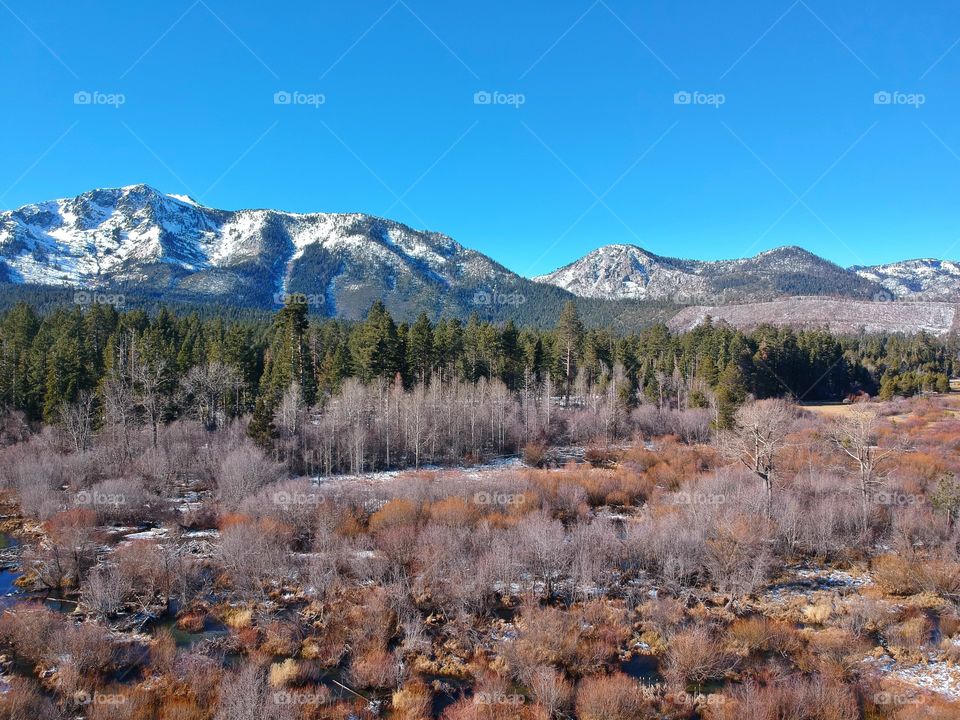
[145, 242]
[627, 271]
[925, 279]
[837, 315]
[150, 246]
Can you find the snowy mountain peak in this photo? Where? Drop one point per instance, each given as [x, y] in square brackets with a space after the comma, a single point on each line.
[922, 279]
[138, 237]
[609, 272]
[630, 272]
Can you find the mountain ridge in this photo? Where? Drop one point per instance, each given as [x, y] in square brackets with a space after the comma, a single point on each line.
[620, 271]
[172, 248]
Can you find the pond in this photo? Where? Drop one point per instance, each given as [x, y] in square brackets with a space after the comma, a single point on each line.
[645, 668]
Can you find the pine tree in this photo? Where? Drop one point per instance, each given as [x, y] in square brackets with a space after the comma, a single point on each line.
[420, 348]
[730, 394]
[375, 346]
[290, 360]
[570, 333]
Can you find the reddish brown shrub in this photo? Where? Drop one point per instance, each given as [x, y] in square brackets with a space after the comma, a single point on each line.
[611, 697]
[395, 513]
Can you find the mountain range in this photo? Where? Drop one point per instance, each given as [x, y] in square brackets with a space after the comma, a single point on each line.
[627, 271]
[154, 246]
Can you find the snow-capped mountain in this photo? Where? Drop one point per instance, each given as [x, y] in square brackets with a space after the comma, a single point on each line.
[168, 246]
[154, 246]
[627, 271]
[925, 279]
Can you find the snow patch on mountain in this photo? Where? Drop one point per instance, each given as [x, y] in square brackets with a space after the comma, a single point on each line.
[922, 279]
[119, 235]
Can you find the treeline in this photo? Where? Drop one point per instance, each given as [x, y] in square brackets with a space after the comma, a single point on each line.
[164, 365]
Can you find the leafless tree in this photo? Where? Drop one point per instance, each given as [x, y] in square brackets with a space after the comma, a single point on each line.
[543, 549]
[104, 590]
[244, 471]
[76, 419]
[208, 390]
[856, 434]
[150, 380]
[759, 435]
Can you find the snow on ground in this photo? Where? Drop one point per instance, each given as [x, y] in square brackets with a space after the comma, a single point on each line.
[936, 676]
[465, 472]
[803, 581]
[151, 534]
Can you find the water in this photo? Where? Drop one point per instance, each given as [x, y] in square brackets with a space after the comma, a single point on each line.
[645, 668]
[9, 574]
[186, 639]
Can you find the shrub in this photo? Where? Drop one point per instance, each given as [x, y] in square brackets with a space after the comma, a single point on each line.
[695, 656]
[374, 669]
[611, 697]
[895, 575]
[794, 697]
[412, 702]
[534, 453]
[395, 513]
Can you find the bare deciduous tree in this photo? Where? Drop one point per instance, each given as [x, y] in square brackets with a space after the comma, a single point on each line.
[857, 435]
[209, 390]
[76, 419]
[758, 437]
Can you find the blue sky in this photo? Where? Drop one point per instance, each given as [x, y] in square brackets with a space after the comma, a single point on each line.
[782, 142]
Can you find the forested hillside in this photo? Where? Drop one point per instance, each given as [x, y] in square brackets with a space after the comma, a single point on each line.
[166, 365]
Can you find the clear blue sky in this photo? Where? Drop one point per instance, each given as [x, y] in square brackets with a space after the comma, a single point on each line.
[599, 152]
